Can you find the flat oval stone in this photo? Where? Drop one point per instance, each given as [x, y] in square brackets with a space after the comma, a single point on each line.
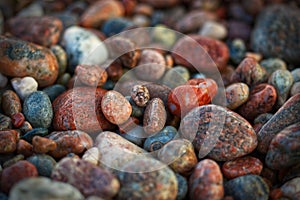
[287, 115]
[43, 163]
[8, 141]
[284, 148]
[69, 142]
[42, 144]
[11, 103]
[89, 179]
[54, 91]
[155, 116]
[37, 109]
[206, 181]
[248, 187]
[20, 58]
[115, 107]
[219, 133]
[273, 64]
[41, 188]
[236, 95]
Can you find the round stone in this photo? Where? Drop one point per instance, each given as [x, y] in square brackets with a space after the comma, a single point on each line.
[91, 75]
[42, 144]
[273, 64]
[140, 95]
[43, 163]
[176, 76]
[236, 95]
[54, 91]
[213, 30]
[164, 36]
[24, 86]
[11, 103]
[237, 50]
[8, 141]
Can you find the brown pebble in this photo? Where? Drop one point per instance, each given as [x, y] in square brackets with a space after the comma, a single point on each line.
[11, 103]
[91, 75]
[8, 141]
[236, 95]
[140, 95]
[42, 144]
[13, 160]
[130, 124]
[26, 126]
[24, 148]
[114, 71]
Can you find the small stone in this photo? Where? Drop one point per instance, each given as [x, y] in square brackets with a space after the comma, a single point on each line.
[140, 95]
[11, 103]
[237, 50]
[43, 163]
[91, 75]
[69, 142]
[236, 95]
[282, 80]
[255, 56]
[8, 141]
[97, 181]
[24, 148]
[248, 187]
[295, 89]
[5, 122]
[179, 154]
[114, 71]
[137, 111]
[155, 116]
[64, 79]
[290, 189]
[35, 132]
[42, 144]
[158, 91]
[182, 187]
[3, 81]
[37, 109]
[115, 107]
[24, 86]
[41, 188]
[115, 26]
[273, 64]
[92, 155]
[213, 30]
[61, 57]
[296, 75]
[176, 76]
[15, 173]
[54, 91]
[164, 36]
[17, 119]
[129, 125]
[206, 181]
[13, 160]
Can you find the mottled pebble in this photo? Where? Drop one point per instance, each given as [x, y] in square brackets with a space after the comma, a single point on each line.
[54, 91]
[37, 109]
[273, 64]
[42, 188]
[24, 148]
[3, 81]
[291, 189]
[42, 144]
[17, 119]
[219, 133]
[15, 173]
[236, 95]
[296, 74]
[91, 75]
[8, 141]
[248, 187]
[295, 89]
[214, 30]
[13, 160]
[28, 136]
[182, 187]
[237, 50]
[92, 155]
[5, 122]
[164, 36]
[140, 95]
[61, 57]
[176, 76]
[24, 86]
[43, 163]
[206, 181]
[115, 26]
[86, 177]
[11, 103]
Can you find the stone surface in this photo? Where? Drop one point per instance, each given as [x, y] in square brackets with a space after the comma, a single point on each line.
[273, 64]
[92, 155]
[206, 181]
[291, 189]
[41, 188]
[176, 76]
[28, 136]
[61, 57]
[5, 122]
[24, 86]
[20, 58]
[91, 75]
[11, 103]
[54, 91]
[219, 133]
[237, 50]
[213, 30]
[236, 95]
[43, 163]
[8, 141]
[42, 144]
[87, 178]
[17, 119]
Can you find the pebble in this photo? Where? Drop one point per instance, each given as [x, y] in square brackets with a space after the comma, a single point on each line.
[64, 79]
[130, 124]
[283, 149]
[13, 160]
[161, 4]
[260, 120]
[5, 122]
[41, 30]
[3, 81]
[290, 190]
[8, 141]
[115, 26]
[176, 76]
[91, 75]
[115, 107]
[80, 108]
[17, 120]
[54, 91]
[261, 100]
[61, 57]
[158, 91]
[69, 142]
[196, 92]
[140, 95]
[179, 154]
[37, 109]
[42, 144]
[242, 166]
[24, 86]
[295, 89]
[164, 36]
[248, 187]
[282, 80]
[237, 49]
[250, 72]
[83, 47]
[92, 155]
[26, 126]
[137, 111]
[43, 163]
[206, 181]
[193, 56]
[156, 183]
[157, 141]
[86, 177]
[28, 136]
[11, 103]
[213, 30]
[182, 187]
[20, 59]
[151, 66]
[283, 21]
[236, 95]
[230, 136]
[273, 64]
[42, 188]
[296, 75]
[114, 71]
[24, 148]
[15, 173]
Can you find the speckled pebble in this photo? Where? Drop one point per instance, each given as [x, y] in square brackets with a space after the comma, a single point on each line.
[37, 109]
[54, 91]
[61, 57]
[214, 30]
[5, 122]
[140, 95]
[43, 163]
[42, 144]
[34, 132]
[11, 103]
[176, 76]
[24, 86]
[273, 64]
[237, 50]
[91, 75]
[8, 141]
[236, 95]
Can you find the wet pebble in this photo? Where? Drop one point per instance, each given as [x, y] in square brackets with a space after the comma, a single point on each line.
[54, 91]
[236, 95]
[213, 30]
[91, 75]
[24, 86]
[24, 148]
[8, 141]
[42, 144]
[273, 64]
[28, 136]
[61, 57]
[11, 103]
[37, 109]
[97, 181]
[43, 163]
[140, 95]
[176, 76]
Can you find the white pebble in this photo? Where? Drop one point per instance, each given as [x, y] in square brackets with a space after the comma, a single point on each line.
[92, 155]
[24, 86]
[214, 30]
[3, 81]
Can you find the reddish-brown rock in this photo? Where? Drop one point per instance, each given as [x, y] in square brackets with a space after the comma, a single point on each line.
[42, 144]
[17, 119]
[91, 75]
[8, 141]
[11, 103]
[24, 148]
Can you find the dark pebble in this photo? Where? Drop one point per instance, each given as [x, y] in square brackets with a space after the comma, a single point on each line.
[43, 163]
[54, 91]
[36, 131]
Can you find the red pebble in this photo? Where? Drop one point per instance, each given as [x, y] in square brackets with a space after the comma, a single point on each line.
[197, 92]
[242, 166]
[17, 119]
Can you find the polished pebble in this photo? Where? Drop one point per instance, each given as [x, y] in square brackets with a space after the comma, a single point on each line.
[91, 75]
[24, 86]
[92, 155]
[43, 163]
[42, 144]
[176, 76]
[11, 103]
[140, 95]
[54, 91]
[213, 30]
[8, 141]
[236, 95]
[17, 120]
[273, 64]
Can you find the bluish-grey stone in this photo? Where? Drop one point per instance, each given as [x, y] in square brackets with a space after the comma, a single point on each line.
[43, 163]
[54, 91]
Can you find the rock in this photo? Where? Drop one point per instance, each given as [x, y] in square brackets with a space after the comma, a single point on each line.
[11, 103]
[164, 36]
[158, 91]
[91, 75]
[24, 148]
[3, 81]
[283, 21]
[15, 173]
[37, 109]
[54, 91]
[42, 144]
[273, 64]
[295, 89]
[8, 141]
[17, 120]
[5, 122]
[26, 126]
[24, 86]
[182, 187]
[69, 142]
[61, 57]
[86, 177]
[236, 95]
[176, 76]
[115, 26]
[28, 136]
[206, 181]
[41, 188]
[296, 74]
[92, 155]
[248, 187]
[83, 47]
[20, 59]
[218, 133]
[290, 189]
[43, 163]
[13, 160]
[213, 30]
[140, 95]
[237, 50]
[41, 30]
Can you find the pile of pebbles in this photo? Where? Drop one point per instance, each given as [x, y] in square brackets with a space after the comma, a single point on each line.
[205, 104]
